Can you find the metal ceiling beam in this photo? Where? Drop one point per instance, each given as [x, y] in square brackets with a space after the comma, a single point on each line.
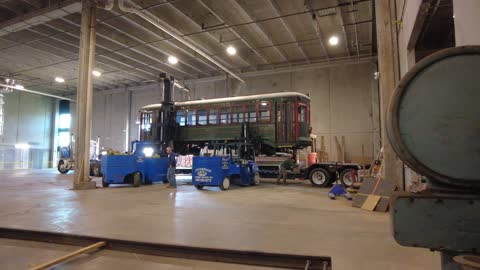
[353, 12]
[316, 26]
[277, 10]
[210, 35]
[260, 30]
[133, 24]
[235, 33]
[342, 23]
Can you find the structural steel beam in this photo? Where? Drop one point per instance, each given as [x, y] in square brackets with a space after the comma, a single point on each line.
[254, 258]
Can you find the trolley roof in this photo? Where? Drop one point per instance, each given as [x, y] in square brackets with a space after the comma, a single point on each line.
[231, 99]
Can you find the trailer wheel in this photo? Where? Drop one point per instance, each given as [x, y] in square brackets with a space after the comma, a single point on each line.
[62, 168]
[104, 184]
[137, 179]
[346, 177]
[225, 184]
[319, 177]
[256, 179]
[199, 187]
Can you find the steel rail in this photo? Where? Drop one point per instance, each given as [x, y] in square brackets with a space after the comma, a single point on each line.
[255, 258]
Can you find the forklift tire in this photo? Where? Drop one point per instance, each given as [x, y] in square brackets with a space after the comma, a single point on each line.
[199, 187]
[346, 177]
[62, 168]
[225, 184]
[256, 179]
[319, 177]
[137, 179]
[104, 184]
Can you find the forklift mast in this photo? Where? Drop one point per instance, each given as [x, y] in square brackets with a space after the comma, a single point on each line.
[166, 120]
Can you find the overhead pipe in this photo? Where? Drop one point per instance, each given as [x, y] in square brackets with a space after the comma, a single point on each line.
[35, 92]
[156, 22]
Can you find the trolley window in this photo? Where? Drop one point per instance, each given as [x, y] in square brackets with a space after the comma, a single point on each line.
[180, 118]
[302, 113]
[237, 114]
[251, 113]
[225, 116]
[213, 117]
[202, 117]
[264, 111]
[191, 117]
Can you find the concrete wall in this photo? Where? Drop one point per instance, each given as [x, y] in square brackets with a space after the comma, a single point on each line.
[344, 103]
[467, 20]
[28, 119]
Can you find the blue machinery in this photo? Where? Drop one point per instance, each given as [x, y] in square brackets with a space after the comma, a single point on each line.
[136, 169]
[221, 171]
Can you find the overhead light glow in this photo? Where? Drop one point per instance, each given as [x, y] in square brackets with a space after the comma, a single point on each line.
[96, 73]
[333, 40]
[264, 103]
[59, 79]
[172, 60]
[19, 87]
[231, 50]
[148, 151]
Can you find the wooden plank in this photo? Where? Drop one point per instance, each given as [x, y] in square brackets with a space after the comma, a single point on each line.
[69, 256]
[371, 202]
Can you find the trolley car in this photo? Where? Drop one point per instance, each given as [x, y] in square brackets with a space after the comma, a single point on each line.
[275, 122]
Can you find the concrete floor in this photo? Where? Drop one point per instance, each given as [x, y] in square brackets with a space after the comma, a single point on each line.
[296, 219]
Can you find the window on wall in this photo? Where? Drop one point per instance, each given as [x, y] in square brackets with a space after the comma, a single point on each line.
[191, 117]
[264, 111]
[251, 113]
[180, 118]
[237, 114]
[202, 117]
[213, 117]
[302, 113]
[225, 116]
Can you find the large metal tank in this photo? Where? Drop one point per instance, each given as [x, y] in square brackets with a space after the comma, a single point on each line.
[433, 122]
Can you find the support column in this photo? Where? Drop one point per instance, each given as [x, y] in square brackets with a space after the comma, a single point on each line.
[82, 178]
[393, 167]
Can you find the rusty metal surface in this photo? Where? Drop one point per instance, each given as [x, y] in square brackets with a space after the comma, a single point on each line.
[432, 120]
[255, 258]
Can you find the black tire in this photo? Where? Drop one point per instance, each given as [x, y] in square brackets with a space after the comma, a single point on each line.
[256, 179]
[199, 187]
[225, 184]
[62, 168]
[104, 184]
[345, 177]
[319, 177]
[137, 179]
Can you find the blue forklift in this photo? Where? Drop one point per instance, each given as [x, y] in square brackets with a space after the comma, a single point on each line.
[224, 168]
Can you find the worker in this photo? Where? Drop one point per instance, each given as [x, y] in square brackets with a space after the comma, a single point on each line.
[172, 164]
[284, 167]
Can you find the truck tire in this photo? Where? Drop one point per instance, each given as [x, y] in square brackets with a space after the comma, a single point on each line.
[199, 187]
[346, 177]
[256, 179]
[319, 177]
[225, 184]
[62, 168]
[104, 184]
[137, 179]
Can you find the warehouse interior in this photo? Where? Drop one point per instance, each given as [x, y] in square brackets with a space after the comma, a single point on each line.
[84, 83]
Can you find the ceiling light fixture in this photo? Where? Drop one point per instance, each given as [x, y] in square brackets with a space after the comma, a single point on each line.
[19, 87]
[231, 50]
[59, 79]
[333, 40]
[172, 60]
[96, 73]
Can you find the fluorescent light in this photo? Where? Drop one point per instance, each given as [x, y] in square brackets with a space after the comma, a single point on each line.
[96, 73]
[148, 151]
[22, 146]
[333, 40]
[264, 103]
[19, 87]
[172, 60]
[231, 50]
[59, 79]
